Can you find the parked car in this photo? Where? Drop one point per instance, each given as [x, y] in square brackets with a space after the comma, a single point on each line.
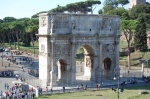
[1, 50]
[6, 50]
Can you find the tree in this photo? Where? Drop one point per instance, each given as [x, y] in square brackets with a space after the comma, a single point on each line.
[140, 40]
[128, 28]
[4, 32]
[1, 34]
[139, 9]
[83, 7]
[117, 11]
[107, 8]
[32, 30]
[114, 3]
[9, 19]
[100, 11]
[123, 2]
[17, 27]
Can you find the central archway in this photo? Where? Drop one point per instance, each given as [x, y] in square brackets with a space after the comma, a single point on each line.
[84, 62]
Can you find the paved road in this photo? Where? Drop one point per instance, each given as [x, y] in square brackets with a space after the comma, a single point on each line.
[33, 66]
[14, 67]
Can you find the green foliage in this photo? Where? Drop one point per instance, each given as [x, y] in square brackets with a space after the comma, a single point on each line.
[123, 2]
[16, 31]
[113, 3]
[119, 11]
[139, 9]
[128, 25]
[83, 6]
[140, 38]
[107, 8]
[9, 19]
[26, 39]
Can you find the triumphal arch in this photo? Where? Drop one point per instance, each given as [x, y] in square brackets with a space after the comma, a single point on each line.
[61, 35]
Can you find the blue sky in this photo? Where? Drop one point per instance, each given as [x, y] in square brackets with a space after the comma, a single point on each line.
[27, 8]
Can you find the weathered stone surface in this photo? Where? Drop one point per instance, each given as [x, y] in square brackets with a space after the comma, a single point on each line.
[61, 35]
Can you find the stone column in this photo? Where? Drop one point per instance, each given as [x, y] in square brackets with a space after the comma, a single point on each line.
[142, 70]
[93, 68]
[100, 62]
[59, 71]
[53, 67]
[117, 68]
[73, 61]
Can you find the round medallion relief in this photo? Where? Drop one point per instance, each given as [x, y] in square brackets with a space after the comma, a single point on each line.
[110, 47]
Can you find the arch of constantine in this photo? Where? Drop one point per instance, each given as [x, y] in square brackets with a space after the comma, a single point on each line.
[61, 35]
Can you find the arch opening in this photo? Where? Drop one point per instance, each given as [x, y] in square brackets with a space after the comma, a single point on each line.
[62, 71]
[84, 63]
[107, 67]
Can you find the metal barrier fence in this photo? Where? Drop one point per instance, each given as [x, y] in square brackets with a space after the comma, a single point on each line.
[34, 81]
[132, 74]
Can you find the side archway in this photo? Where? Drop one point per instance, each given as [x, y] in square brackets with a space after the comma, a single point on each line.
[62, 70]
[107, 63]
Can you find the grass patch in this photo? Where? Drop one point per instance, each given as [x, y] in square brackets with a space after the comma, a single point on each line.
[129, 93]
[28, 49]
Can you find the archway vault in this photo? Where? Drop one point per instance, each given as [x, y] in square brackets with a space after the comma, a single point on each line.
[87, 63]
[107, 65]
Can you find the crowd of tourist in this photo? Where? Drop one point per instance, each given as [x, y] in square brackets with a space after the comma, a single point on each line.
[18, 91]
[7, 73]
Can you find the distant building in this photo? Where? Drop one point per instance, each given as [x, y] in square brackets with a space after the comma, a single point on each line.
[136, 2]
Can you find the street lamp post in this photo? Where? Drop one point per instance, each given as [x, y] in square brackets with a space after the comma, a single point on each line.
[2, 58]
[118, 93]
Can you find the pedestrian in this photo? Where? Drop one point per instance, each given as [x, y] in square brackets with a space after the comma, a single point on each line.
[63, 89]
[46, 89]
[33, 95]
[78, 87]
[9, 65]
[5, 86]
[97, 86]
[85, 87]
[41, 91]
[1, 93]
[81, 86]
[51, 89]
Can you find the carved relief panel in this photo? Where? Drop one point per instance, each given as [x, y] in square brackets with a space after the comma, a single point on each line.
[61, 22]
[108, 48]
[62, 50]
[43, 21]
[89, 62]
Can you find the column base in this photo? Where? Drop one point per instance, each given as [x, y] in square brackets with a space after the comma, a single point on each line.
[43, 83]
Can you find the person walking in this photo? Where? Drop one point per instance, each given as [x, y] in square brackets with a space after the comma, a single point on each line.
[46, 89]
[5, 85]
[63, 88]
